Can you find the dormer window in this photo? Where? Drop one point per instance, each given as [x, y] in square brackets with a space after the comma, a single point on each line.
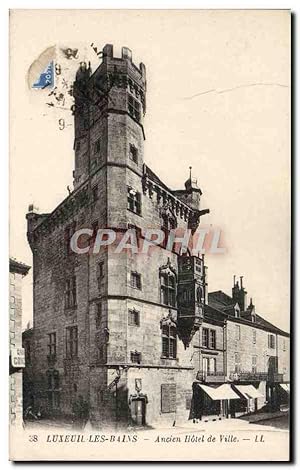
[237, 311]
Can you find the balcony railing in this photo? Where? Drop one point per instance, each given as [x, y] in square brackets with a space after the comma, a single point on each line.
[211, 377]
[256, 376]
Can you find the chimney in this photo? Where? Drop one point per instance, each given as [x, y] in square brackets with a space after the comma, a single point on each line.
[239, 293]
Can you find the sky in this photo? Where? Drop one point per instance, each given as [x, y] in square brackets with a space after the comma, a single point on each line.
[218, 99]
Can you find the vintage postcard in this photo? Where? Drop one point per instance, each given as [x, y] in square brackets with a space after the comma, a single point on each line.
[150, 235]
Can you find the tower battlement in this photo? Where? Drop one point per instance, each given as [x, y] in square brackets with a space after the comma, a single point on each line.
[110, 105]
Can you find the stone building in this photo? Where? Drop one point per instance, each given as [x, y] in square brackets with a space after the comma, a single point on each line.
[17, 271]
[131, 336]
[257, 352]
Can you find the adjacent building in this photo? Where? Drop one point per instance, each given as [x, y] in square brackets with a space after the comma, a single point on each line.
[17, 271]
[136, 338]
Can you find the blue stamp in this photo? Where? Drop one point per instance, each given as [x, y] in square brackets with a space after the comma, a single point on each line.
[46, 78]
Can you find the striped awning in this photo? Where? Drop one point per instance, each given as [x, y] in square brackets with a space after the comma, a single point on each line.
[223, 392]
[248, 391]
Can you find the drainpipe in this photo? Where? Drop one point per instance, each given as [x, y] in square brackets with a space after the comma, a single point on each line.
[225, 349]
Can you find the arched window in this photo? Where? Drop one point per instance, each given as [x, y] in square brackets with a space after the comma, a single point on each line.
[169, 341]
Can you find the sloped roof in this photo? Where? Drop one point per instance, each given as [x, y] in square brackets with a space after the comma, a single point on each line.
[221, 302]
[156, 179]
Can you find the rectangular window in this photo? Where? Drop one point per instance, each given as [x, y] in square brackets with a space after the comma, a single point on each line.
[133, 200]
[95, 193]
[100, 273]
[95, 227]
[212, 339]
[70, 293]
[271, 341]
[52, 344]
[237, 363]
[101, 352]
[97, 146]
[135, 357]
[98, 315]
[78, 145]
[188, 400]
[205, 365]
[133, 318]
[133, 153]
[168, 398]
[53, 391]
[168, 289]
[134, 108]
[169, 341]
[237, 332]
[254, 336]
[72, 341]
[135, 280]
[254, 364]
[69, 232]
[27, 347]
[205, 338]
[212, 365]
[138, 233]
[284, 345]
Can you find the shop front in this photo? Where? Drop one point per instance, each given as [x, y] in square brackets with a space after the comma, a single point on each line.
[213, 402]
